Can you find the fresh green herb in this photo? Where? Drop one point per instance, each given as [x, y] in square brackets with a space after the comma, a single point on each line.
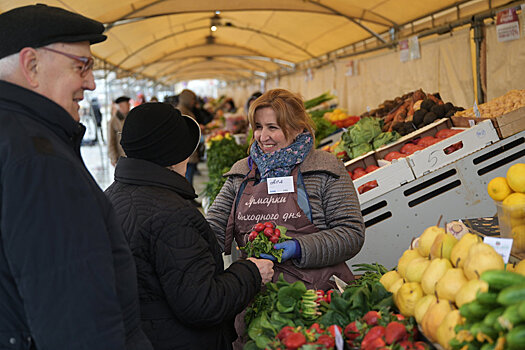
[327, 96]
[221, 155]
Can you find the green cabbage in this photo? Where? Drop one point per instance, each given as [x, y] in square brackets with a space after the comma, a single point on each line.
[365, 130]
[385, 138]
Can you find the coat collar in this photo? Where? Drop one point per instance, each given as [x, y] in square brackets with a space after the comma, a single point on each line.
[315, 161]
[38, 107]
[144, 173]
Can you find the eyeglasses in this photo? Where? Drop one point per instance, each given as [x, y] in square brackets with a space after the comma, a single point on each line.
[87, 62]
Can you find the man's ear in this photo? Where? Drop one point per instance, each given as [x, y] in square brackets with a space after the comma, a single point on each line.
[29, 65]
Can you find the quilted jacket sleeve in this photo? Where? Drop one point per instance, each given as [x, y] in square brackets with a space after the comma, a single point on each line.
[337, 214]
[188, 272]
[221, 207]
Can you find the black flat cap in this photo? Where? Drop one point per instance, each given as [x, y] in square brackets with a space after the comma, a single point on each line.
[40, 25]
[122, 99]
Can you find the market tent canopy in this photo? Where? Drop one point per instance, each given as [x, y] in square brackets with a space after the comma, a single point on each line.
[172, 40]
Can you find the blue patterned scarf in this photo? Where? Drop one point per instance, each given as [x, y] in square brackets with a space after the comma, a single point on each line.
[282, 161]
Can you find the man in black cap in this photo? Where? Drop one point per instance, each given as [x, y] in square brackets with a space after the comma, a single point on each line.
[67, 277]
[115, 124]
[179, 262]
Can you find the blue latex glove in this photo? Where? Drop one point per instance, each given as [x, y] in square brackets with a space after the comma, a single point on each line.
[291, 249]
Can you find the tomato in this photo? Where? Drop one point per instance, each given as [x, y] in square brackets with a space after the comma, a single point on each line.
[394, 155]
[253, 235]
[410, 148]
[371, 168]
[277, 233]
[367, 186]
[268, 232]
[442, 134]
[428, 141]
[268, 224]
[274, 239]
[259, 227]
[371, 318]
[358, 172]
[446, 133]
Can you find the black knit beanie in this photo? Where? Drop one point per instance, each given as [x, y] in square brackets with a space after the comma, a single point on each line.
[159, 133]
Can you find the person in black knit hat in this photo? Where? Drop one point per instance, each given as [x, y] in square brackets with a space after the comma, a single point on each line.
[187, 299]
[67, 277]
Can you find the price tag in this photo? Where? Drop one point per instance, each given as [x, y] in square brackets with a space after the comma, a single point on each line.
[502, 246]
[282, 184]
[476, 110]
[339, 342]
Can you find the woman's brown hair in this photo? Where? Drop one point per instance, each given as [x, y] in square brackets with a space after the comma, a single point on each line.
[289, 109]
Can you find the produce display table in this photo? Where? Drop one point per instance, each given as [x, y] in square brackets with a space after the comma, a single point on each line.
[457, 190]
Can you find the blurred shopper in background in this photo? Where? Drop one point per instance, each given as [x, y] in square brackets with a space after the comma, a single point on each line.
[67, 277]
[186, 105]
[188, 300]
[115, 124]
[251, 99]
[97, 115]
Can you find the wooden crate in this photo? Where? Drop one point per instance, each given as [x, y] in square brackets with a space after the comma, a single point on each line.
[506, 125]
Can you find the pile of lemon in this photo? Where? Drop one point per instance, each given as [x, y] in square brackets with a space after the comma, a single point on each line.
[510, 192]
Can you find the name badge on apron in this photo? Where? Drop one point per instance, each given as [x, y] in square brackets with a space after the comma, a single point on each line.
[282, 184]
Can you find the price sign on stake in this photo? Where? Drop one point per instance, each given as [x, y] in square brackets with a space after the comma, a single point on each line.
[476, 110]
[501, 245]
[339, 342]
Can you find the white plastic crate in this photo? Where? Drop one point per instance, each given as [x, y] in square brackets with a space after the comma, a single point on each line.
[388, 177]
[434, 157]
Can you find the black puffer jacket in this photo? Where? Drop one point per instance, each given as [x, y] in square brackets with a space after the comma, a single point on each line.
[188, 300]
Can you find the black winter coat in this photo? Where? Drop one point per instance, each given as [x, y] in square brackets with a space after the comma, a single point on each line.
[67, 277]
[188, 300]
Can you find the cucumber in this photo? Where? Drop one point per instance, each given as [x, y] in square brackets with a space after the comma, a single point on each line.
[521, 309]
[499, 279]
[474, 310]
[488, 346]
[510, 317]
[481, 331]
[516, 338]
[487, 298]
[492, 318]
[512, 295]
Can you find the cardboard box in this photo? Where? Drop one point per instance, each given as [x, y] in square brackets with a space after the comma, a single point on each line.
[505, 125]
[435, 156]
[387, 177]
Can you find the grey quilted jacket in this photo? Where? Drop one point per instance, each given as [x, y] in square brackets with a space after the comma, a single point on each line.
[335, 210]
